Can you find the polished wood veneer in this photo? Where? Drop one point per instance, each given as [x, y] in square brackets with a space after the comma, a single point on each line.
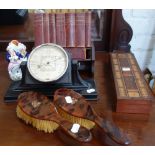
[133, 94]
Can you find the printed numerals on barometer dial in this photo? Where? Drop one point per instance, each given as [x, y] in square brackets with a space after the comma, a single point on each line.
[47, 62]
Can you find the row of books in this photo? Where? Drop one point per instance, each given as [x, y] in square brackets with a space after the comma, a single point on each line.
[69, 29]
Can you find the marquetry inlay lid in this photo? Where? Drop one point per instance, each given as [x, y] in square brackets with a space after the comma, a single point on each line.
[128, 78]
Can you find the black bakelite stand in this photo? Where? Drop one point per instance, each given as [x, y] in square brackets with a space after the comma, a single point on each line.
[71, 79]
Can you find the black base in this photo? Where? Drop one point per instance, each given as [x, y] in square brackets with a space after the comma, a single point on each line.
[71, 80]
[16, 88]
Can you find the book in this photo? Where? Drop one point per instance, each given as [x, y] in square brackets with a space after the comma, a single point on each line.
[60, 29]
[70, 29]
[88, 29]
[38, 29]
[78, 53]
[46, 30]
[80, 29]
[52, 28]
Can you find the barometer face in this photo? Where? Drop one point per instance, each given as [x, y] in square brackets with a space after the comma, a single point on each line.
[47, 62]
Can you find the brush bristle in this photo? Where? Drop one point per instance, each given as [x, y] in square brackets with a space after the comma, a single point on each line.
[41, 125]
[83, 122]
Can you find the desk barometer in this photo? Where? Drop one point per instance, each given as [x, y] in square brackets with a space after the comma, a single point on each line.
[48, 62]
[50, 67]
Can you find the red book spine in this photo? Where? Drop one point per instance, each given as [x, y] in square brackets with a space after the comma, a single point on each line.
[80, 29]
[70, 29]
[46, 28]
[88, 29]
[52, 28]
[60, 29]
[38, 29]
[78, 53]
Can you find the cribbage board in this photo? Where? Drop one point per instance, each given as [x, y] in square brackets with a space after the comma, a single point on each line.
[132, 92]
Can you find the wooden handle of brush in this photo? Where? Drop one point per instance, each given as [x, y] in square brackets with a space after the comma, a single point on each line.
[83, 134]
[112, 131]
[107, 127]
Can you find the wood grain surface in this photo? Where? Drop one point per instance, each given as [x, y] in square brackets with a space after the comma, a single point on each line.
[133, 94]
[140, 128]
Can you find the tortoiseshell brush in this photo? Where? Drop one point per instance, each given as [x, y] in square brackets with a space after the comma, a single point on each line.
[36, 109]
[73, 107]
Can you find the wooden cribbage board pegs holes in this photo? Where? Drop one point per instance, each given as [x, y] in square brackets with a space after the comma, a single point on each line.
[132, 92]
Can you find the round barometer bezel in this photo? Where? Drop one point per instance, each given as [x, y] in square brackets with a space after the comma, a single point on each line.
[40, 46]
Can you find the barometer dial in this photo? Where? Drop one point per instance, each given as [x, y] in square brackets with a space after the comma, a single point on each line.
[47, 62]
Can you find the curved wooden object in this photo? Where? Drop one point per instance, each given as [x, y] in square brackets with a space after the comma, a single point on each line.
[82, 109]
[36, 107]
[121, 32]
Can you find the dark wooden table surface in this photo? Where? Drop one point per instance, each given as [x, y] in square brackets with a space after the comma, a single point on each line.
[140, 128]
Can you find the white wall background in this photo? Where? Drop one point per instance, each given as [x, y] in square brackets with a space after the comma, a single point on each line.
[143, 40]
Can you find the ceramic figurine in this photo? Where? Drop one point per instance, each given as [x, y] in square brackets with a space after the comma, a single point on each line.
[16, 53]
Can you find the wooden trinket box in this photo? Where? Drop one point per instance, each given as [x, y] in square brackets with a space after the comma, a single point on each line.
[132, 92]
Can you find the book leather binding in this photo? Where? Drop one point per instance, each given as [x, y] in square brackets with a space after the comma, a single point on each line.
[46, 30]
[88, 29]
[52, 28]
[132, 92]
[38, 29]
[78, 53]
[80, 29]
[60, 29]
[70, 29]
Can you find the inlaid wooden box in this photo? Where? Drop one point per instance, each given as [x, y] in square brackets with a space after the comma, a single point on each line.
[132, 92]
